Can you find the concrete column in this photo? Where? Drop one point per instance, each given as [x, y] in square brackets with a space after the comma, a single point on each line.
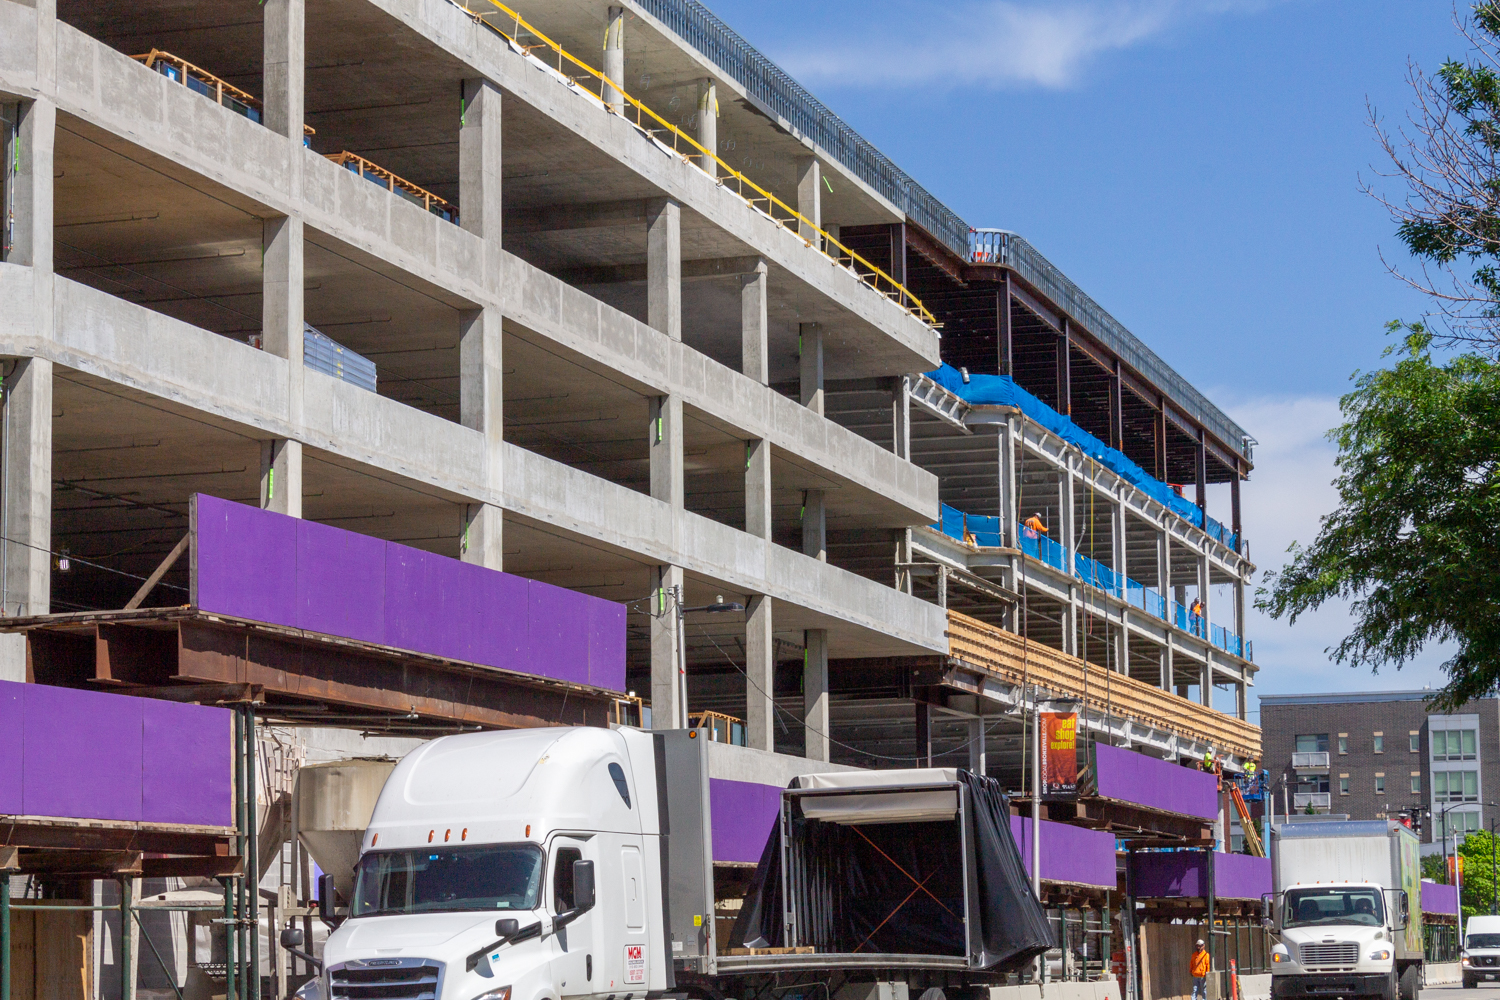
[1122, 640]
[901, 419]
[755, 352]
[758, 488]
[281, 476]
[923, 734]
[481, 390]
[1010, 476]
[614, 59]
[664, 267]
[810, 367]
[480, 151]
[284, 59]
[1068, 537]
[976, 746]
[1206, 680]
[27, 517]
[1241, 701]
[708, 123]
[29, 171]
[815, 693]
[666, 686]
[809, 198]
[665, 433]
[282, 328]
[760, 675]
[814, 525]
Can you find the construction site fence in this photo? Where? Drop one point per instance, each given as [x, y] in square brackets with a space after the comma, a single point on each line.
[1017, 660]
[983, 531]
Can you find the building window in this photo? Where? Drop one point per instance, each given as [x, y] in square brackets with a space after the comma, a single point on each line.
[1312, 783]
[1462, 822]
[1455, 786]
[1312, 743]
[1343, 744]
[1343, 786]
[1416, 784]
[1416, 743]
[1379, 743]
[1454, 744]
[1379, 784]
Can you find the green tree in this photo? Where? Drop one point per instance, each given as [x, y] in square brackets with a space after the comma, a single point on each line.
[1479, 873]
[1432, 868]
[1415, 542]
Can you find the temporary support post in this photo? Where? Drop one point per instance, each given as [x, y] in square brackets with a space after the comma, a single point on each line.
[1064, 372]
[1234, 511]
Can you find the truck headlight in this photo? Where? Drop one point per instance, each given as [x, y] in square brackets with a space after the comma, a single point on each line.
[1464, 960]
[1280, 954]
[503, 993]
[1380, 955]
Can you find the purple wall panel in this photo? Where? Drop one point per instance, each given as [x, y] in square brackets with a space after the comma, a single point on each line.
[743, 814]
[1438, 898]
[11, 757]
[1241, 876]
[1157, 784]
[90, 755]
[187, 762]
[272, 568]
[247, 562]
[82, 753]
[1069, 853]
[558, 623]
[337, 594]
[1180, 873]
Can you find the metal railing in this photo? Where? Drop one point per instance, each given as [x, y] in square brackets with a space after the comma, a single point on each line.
[1000, 246]
[1309, 760]
[691, 151]
[1318, 800]
[771, 86]
[382, 177]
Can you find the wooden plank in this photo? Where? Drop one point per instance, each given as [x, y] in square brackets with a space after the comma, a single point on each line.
[95, 864]
[1014, 659]
[158, 573]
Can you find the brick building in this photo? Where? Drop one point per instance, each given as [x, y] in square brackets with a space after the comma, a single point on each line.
[1382, 753]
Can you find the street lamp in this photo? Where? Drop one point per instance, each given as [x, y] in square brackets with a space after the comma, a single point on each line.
[719, 605]
[1457, 869]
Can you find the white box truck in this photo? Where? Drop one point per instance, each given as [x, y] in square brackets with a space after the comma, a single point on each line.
[1347, 908]
[577, 863]
[1480, 962]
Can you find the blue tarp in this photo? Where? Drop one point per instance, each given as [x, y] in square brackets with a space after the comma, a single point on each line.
[1001, 390]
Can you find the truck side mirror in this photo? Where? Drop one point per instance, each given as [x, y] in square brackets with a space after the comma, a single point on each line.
[1268, 910]
[583, 886]
[506, 927]
[325, 897]
[291, 937]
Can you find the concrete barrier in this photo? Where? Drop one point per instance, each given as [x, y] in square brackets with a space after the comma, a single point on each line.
[1255, 987]
[1441, 973]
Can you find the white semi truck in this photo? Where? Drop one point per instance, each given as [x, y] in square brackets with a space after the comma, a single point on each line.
[577, 863]
[1347, 907]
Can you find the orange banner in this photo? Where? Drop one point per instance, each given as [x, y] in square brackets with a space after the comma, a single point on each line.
[1059, 755]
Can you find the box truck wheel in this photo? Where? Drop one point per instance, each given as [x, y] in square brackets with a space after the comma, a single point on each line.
[1411, 979]
[1470, 983]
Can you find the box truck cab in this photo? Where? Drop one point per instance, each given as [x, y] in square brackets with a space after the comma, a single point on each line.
[1480, 961]
[1342, 911]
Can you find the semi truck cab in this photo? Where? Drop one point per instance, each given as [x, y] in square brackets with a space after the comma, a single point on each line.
[1338, 939]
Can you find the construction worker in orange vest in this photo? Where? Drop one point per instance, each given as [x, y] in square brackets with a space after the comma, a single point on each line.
[1034, 526]
[1196, 613]
[1198, 969]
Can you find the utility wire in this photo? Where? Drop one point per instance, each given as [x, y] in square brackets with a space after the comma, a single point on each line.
[86, 562]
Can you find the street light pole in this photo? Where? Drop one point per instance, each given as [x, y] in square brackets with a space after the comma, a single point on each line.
[719, 605]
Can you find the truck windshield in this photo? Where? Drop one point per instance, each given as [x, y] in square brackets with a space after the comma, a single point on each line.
[1483, 941]
[1310, 907]
[493, 877]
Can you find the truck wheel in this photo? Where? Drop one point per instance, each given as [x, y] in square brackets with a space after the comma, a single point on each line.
[1411, 980]
[1470, 983]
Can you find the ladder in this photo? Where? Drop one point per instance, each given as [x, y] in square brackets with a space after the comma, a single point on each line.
[1246, 823]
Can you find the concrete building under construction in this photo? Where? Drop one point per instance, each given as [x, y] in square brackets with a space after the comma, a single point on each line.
[379, 370]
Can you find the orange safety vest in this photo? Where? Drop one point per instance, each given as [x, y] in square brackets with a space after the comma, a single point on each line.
[1199, 966]
[1035, 524]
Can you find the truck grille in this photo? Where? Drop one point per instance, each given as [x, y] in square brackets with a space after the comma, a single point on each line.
[386, 979]
[1343, 955]
[1485, 960]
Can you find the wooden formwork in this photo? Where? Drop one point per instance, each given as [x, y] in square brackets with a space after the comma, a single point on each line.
[1016, 660]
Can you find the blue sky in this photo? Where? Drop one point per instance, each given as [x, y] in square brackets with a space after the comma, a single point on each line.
[1195, 165]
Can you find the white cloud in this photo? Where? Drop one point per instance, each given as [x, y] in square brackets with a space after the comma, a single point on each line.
[1289, 492]
[989, 43]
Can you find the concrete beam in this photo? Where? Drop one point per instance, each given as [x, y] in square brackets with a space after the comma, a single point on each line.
[618, 274]
[760, 675]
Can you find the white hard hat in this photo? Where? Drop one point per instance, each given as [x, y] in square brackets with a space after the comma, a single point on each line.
[1200, 942]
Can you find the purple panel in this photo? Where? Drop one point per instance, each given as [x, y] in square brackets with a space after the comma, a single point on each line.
[1169, 873]
[1069, 853]
[1438, 898]
[607, 645]
[1241, 876]
[246, 561]
[1156, 784]
[743, 814]
[558, 624]
[11, 737]
[340, 582]
[504, 638]
[186, 764]
[82, 754]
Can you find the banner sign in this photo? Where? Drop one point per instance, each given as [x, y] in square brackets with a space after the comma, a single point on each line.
[1059, 755]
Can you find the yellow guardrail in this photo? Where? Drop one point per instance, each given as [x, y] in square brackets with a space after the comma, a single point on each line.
[859, 266]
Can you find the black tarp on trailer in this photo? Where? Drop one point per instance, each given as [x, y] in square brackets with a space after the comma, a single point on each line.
[898, 887]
